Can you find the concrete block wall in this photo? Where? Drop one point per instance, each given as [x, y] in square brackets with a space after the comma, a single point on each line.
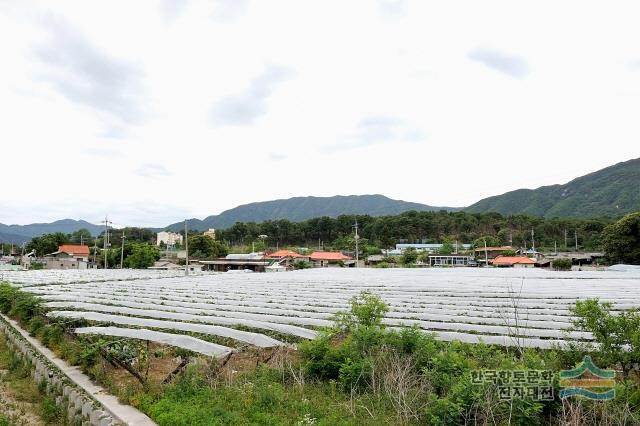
[81, 409]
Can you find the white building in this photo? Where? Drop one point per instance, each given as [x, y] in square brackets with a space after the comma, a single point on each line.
[210, 233]
[169, 238]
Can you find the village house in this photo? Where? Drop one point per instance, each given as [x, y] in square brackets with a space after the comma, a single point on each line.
[69, 256]
[513, 262]
[491, 252]
[287, 258]
[255, 262]
[324, 259]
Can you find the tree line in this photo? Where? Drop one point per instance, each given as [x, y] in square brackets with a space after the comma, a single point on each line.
[424, 227]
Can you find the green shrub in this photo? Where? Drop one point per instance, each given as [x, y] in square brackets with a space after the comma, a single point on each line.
[50, 411]
[562, 264]
[7, 296]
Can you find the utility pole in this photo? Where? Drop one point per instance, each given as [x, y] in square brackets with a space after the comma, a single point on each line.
[122, 250]
[356, 238]
[95, 251]
[555, 247]
[575, 234]
[565, 239]
[533, 242]
[106, 240]
[486, 255]
[186, 247]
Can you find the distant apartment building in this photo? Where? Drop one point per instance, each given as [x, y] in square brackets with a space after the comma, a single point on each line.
[210, 233]
[169, 238]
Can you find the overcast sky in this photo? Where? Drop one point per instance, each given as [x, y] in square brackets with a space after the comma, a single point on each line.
[153, 111]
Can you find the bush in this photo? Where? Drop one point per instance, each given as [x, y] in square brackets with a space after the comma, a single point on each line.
[617, 335]
[7, 296]
[301, 264]
[563, 264]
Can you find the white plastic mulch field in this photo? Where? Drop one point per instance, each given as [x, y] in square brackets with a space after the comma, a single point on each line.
[500, 306]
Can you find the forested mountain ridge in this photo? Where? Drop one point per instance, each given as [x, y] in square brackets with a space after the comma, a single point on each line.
[303, 208]
[612, 191]
[19, 233]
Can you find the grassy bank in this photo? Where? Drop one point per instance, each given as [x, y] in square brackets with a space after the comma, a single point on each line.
[21, 401]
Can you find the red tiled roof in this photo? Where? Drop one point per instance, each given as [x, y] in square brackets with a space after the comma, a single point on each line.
[512, 260]
[74, 249]
[284, 253]
[328, 255]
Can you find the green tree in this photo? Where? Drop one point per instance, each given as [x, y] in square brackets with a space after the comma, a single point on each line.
[206, 247]
[621, 240]
[142, 256]
[617, 335]
[409, 256]
[81, 236]
[490, 240]
[447, 248]
[47, 243]
[563, 264]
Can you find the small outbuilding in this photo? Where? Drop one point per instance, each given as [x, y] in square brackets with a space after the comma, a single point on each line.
[514, 262]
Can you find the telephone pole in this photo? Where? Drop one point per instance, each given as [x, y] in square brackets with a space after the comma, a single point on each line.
[575, 234]
[122, 250]
[486, 255]
[356, 238]
[105, 240]
[565, 239]
[95, 252]
[186, 247]
[533, 242]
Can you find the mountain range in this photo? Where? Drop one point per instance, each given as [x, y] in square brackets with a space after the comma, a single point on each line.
[302, 208]
[17, 234]
[612, 191]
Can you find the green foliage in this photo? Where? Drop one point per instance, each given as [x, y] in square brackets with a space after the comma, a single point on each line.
[422, 226]
[621, 240]
[301, 264]
[203, 246]
[608, 192]
[409, 256]
[563, 264]
[50, 412]
[509, 253]
[25, 306]
[367, 309]
[447, 248]
[490, 240]
[47, 243]
[142, 256]
[82, 235]
[7, 296]
[618, 335]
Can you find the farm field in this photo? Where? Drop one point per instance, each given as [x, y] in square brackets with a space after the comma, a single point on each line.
[527, 308]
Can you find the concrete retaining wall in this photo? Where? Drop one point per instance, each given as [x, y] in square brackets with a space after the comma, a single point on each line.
[81, 409]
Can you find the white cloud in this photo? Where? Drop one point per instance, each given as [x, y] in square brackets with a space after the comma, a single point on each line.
[511, 65]
[245, 108]
[105, 95]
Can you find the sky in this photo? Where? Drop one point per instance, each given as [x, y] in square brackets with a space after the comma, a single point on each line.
[154, 111]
